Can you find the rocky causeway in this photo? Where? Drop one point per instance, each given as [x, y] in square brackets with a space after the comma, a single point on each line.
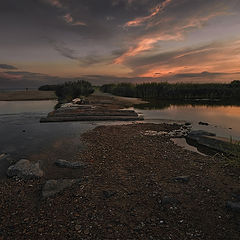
[133, 182]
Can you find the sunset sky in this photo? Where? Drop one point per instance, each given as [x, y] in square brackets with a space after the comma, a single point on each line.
[51, 41]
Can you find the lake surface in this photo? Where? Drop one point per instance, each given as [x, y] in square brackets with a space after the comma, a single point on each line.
[223, 120]
[22, 135]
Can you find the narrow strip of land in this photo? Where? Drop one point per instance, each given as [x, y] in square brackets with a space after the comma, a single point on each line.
[134, 186]
[27, 95]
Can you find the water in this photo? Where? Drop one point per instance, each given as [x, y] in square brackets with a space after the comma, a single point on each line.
[23, 136]
[223, 120]
[21, 133]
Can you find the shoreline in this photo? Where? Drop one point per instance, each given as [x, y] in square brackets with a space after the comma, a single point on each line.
[128, 191]
[27, 95]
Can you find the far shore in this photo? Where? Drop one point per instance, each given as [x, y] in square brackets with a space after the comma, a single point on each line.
[27, 95]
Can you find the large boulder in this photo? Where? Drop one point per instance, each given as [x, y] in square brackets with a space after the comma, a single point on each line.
[25, 169]
[210, 140]
[52, 187]
[67, 164]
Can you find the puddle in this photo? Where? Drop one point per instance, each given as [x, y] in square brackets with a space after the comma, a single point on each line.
[183, 143]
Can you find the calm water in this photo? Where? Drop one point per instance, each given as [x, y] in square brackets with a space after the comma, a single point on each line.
[223, 120]
[21, 133]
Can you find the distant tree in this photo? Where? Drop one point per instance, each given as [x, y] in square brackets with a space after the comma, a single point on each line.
[71, 90]
[182, 91]
[235, 83]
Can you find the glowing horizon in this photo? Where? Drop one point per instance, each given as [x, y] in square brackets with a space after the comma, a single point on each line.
[51, 41]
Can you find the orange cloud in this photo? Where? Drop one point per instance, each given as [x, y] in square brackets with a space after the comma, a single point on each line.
[198, 21]
[155, 11]
[10, 76]
[69, 19]
[146, 44]
[55, 3]
[218, 57]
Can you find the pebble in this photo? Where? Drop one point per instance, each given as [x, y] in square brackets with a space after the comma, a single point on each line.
[234, 206]
[78, 227]
[169, 200]
[108, 194]
[183, 179]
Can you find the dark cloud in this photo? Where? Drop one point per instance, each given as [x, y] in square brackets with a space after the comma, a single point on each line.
[64, 50]
[6, 66]
[197, 75]
[22, 79]
[132, 33]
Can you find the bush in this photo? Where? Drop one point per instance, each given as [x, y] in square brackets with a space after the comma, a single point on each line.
[71, 90]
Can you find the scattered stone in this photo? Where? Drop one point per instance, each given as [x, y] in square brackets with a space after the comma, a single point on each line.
[108, 194]
[2, 156]
[236, 196]
[203, 123]
[187, 124]
[25, 169]
[183, 131]
[183, 179]
[169, 200]
[67, 164]
[154, 133]
[78, 227]
[234, 206]
[140, 226]
[53, 187]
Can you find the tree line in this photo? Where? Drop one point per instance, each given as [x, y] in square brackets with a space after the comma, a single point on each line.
[181, 91]
[70, 90]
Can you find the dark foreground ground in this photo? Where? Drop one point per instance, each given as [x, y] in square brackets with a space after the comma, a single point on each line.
[128, 192]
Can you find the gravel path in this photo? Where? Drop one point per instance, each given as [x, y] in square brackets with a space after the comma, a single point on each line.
[136, 186]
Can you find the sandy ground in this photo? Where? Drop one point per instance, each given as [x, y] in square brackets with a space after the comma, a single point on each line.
[128, 191]
[27, 95]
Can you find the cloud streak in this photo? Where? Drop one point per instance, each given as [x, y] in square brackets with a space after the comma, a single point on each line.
[141, 20]
[177, 32]
[212, 57]
[69, 19]
[6, 66]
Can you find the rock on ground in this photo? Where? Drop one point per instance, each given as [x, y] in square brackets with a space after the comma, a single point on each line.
[67, 164]
[25, 169]
[234, 206]
[53, 187]
[183, 179]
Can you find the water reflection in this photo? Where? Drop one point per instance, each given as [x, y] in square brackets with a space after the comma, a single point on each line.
[223, 119]
[21, 133]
